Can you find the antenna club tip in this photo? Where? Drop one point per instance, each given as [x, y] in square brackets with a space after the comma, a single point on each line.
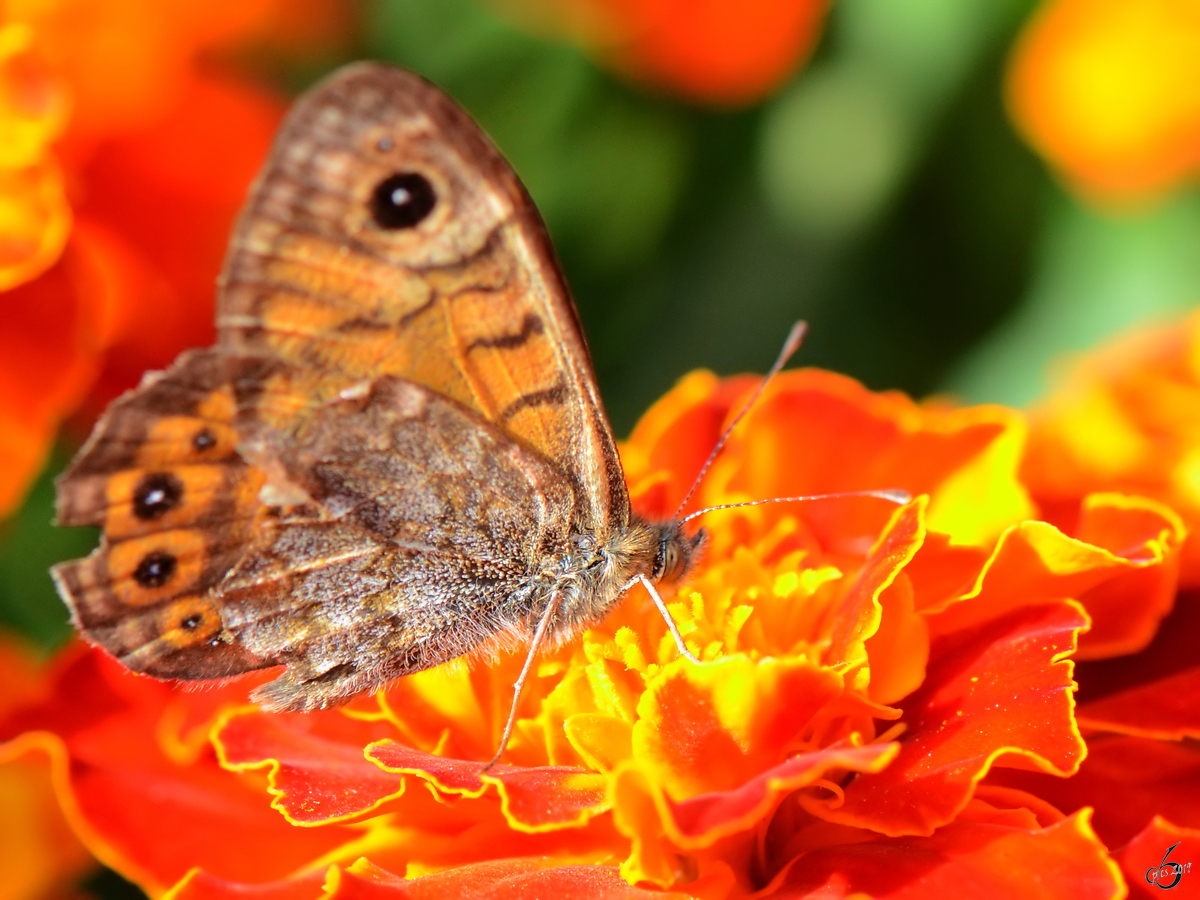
[795, 337]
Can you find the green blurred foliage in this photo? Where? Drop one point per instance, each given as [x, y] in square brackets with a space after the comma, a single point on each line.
[1095, 275]
[29, 546]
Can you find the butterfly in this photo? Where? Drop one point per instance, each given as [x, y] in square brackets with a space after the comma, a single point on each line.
[396, 451]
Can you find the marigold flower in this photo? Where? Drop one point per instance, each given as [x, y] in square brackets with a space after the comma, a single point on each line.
[1124, 418]
[39, 854]
[714, 51]
[1109, 92]
[122, 165]
[866, 670]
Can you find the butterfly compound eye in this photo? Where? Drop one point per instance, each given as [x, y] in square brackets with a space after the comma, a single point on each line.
[402, 200]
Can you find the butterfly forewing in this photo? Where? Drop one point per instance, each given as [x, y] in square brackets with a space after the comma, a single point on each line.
[467, 301]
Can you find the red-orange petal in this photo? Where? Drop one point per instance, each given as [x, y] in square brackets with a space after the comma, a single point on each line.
[1127, 780]
[1034, 562]
[1126, 609]
[542, 798]
[716, 51]
[509, 879]
[55, 330]
[316, 768]
[963, 859]
[137, 809]
[818, 432]
[713, 727]
[858, 613]
[700, 821]
[1149, 861]
[1166, 709]
[996, 690]
[720, 52]
[200, 885]
[170, 192]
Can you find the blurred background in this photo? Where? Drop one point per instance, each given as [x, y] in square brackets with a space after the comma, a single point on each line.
[954, 193]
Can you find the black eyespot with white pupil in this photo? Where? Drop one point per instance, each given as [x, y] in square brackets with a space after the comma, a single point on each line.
[204, 439]
[192, 622]
[156, 494]
[402, 200]
[155, 569]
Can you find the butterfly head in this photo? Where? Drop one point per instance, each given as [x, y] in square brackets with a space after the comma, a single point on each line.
[677, 551]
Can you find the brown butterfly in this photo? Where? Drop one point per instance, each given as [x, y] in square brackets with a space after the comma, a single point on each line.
[395, 452]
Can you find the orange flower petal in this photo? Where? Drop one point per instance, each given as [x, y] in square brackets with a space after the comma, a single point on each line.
[55, 329]
[136, 809]
[514, 879]
[34, 221]
[199, 885]
[19, 673]
[700, 821]
[1125, 610]
[542, 798]
[707, 728]
[963, 859]
[39, 854]
[1123, 419]
[170, 192]
[715, 51]
[859, 613]
[34, 216]
[1128, 780]
[674, 437]
[33, 102]
[1166, 709]
[1146, 860]
[817, 432]
[995, 690]
[898, 651]
[1011, 798]
[1035, 562]
[317, 770]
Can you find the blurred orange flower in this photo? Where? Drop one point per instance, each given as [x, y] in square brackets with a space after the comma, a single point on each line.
[123, 161]
[713, 51]
[1109, 92]
[39, 854]
[1127, 418]
[1124, 418]
[865, 669]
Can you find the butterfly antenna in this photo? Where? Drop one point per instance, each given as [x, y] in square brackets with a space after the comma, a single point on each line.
[893, 496]
[790, 346]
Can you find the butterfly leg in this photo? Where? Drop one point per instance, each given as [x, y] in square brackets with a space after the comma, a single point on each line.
[539, 635]
[666, 614]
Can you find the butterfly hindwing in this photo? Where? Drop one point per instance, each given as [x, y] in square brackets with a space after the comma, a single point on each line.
[162, 476]
[430, 522]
